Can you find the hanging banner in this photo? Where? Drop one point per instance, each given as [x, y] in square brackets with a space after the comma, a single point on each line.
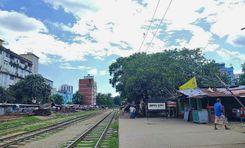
[156, 106]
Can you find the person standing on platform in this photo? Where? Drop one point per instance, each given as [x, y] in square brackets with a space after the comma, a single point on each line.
[132, 110]
[219, 116]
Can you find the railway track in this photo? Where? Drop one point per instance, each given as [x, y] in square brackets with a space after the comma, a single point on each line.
[22, 137]
[93, 136]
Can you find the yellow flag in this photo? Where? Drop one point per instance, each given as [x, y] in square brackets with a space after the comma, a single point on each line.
[191, 84]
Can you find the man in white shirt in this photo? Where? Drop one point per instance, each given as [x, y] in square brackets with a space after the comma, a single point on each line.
[132, 110]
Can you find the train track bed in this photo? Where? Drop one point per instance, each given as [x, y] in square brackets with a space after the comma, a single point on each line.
[111, 139]
[30, 123]
[39, 133]
[93, 136]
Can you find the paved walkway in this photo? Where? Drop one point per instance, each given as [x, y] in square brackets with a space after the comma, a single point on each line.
[175, 133]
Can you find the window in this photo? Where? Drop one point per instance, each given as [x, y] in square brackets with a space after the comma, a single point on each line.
[11, 57]
[7, 55]
[11, 77]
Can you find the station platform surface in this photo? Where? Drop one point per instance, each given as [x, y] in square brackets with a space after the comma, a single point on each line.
[175, 133]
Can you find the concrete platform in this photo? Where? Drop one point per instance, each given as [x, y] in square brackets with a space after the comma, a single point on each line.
[175, 133]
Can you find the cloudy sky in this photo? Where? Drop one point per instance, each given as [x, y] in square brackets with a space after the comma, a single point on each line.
[77, 37]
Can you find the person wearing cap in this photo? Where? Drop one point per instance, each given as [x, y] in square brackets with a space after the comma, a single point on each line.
[219, 116]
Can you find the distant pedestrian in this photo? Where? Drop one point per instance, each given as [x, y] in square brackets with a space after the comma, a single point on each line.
[219, 116]
[132, 111]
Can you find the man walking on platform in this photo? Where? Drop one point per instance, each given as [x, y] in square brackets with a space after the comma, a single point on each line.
[219, 116]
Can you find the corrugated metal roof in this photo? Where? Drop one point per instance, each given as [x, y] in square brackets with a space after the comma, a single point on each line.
[218, 92]
[193, 92]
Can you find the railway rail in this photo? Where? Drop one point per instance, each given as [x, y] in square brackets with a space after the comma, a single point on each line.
[22, 137]
[93, 136]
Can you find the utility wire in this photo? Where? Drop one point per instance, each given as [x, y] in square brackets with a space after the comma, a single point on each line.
[154, 35]
[149, 27]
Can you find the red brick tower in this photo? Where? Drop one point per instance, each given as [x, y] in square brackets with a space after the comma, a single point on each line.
[88, 88]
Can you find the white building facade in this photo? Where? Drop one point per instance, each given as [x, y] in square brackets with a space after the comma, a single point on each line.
[66, 89]
[13, 67]
[34, 59]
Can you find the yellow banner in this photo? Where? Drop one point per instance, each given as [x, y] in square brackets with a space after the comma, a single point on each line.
[191, 84]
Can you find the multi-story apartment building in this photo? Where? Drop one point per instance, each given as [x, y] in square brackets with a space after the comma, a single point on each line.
[34, 59]
[66, 88]
[88, 88]
[13, 67]
[66, 91]
[229, 72]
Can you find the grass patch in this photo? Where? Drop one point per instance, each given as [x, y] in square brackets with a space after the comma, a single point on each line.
[18, 122]
[113, 140]
[31, 123]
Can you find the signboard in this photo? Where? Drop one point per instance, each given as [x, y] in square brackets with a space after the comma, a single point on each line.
[171, 104]
[156, 106]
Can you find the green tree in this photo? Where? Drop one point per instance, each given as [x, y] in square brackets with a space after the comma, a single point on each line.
[242, 76]
[6, 96]
[144, 76]
[69, 102]
[57, 99]
[104, 99]
[32, 87]
[117, 100]
[78, 98]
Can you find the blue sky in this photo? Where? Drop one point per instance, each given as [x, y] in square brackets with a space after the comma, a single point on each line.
[74, 38]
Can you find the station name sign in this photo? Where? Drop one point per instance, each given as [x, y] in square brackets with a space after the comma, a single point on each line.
[156, 106]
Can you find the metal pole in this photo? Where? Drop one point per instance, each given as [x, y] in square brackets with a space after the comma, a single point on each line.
[227, 88]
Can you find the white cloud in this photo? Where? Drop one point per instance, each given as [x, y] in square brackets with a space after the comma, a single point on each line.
[229, 23]
[29, 36]
[71, 6]
[231, 54]
[93, 71]
[17, 22]
[126, 19]
[71, 67]
[128, 22]
[102, 72]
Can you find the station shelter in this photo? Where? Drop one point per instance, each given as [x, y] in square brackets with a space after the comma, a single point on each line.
[197, 104]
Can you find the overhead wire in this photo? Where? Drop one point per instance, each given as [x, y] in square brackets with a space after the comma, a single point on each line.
[149, 27]
[154, 35]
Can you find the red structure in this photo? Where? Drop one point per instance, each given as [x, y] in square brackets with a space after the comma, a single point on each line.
[88, 88]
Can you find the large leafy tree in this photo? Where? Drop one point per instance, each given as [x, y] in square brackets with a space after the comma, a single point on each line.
[144, 76]
[117, 100]
[57, 99]
[104, 99]
[6, 96]
[242, 76]
[31, 88]
[78, 98]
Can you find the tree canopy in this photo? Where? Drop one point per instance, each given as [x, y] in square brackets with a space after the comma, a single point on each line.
[6, 96]
[31, 88]
[117, 100]
[144, 76]
[57, 99]
[77, 98]
[104, 100]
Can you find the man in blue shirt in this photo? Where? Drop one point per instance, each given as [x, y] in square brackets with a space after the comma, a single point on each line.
[219, 117]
